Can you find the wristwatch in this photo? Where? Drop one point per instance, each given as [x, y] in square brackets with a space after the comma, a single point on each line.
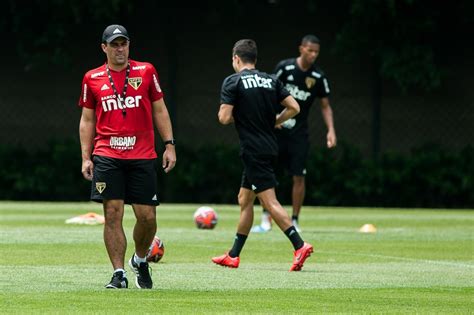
[172, 141]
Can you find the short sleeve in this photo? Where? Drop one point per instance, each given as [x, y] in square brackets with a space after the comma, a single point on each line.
[87, 97]
[155, 92]
[322, 87]
[229, 90]
[282, 92]
[278, 71]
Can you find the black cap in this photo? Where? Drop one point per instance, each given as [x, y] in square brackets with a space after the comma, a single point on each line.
[114, 31]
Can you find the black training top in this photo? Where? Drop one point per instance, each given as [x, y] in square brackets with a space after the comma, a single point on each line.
[255, 96]
[304, 86]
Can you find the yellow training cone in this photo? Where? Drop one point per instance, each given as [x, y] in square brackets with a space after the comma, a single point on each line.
[368, 228]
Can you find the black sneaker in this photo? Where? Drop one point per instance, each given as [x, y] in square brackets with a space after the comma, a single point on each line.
[143, 280]
[118, 281]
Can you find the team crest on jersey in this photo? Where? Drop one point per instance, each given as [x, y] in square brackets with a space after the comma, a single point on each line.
[135, 82]
[100, 186]
[310, 82]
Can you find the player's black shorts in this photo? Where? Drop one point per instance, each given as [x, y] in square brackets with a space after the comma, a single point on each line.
[133, 181]
[292, 154]
[258, 174]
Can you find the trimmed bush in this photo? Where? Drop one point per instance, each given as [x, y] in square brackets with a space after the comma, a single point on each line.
[427, 177]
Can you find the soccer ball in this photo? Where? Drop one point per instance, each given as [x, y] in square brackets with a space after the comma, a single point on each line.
[205, 218]
[156, 250]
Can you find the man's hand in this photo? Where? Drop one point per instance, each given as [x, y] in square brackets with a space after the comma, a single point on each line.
[169, 158]
[87, 169]
[331, 139]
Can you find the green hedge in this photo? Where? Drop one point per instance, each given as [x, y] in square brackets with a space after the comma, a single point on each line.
[50, 173]
[427, 177]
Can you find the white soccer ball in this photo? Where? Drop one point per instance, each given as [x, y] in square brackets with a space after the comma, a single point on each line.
[205, 218]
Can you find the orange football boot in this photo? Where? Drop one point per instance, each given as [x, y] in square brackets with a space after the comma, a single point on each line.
[227, 261]
[300, 256]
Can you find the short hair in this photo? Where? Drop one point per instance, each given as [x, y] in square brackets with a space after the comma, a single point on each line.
[246, 49]
[310, 39]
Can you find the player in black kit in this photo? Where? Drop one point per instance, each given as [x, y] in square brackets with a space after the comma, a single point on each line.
[305, 81]
[249, 99]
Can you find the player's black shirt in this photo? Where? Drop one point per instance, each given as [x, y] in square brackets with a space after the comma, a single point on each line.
[304, 86]
[255, 96]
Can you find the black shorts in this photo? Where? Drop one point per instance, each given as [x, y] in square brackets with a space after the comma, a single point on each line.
[292, 154]
[258, 174]
[133, 181]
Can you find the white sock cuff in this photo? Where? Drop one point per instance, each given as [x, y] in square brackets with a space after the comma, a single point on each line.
[139, 260]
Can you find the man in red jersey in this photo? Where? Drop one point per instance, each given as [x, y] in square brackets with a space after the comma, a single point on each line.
[121, 103]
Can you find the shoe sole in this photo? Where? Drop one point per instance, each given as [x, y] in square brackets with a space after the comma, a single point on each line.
[135, 271]
[123, 285]
[224, 265]
[114, 287]
[299, 266]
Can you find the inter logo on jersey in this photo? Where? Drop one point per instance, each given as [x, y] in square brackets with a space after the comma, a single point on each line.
[300, 95]
[110, 102]
[310, 82]
[254, 80]
[135, 82]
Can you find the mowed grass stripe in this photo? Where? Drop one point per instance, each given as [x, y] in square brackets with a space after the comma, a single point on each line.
[294, 301]
[206, 276]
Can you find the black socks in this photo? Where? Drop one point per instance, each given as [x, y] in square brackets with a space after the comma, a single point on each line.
[239, 242]
[294, 237]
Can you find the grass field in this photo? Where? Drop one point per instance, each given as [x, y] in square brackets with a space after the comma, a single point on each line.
[419, 261]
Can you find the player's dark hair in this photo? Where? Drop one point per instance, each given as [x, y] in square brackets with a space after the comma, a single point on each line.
[310, 39]
[246, 49]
